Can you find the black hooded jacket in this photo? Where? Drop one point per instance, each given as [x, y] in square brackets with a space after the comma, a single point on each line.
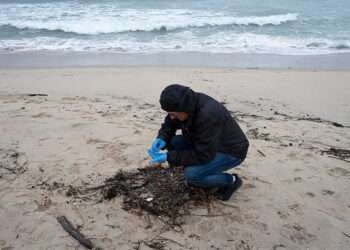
[209, 128]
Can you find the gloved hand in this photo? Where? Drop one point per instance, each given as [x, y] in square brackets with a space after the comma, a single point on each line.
[158, 144]
[157, 157]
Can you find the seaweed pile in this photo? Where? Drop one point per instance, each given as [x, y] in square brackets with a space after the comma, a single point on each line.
[158, 191]
[338, 153]
[12, 163]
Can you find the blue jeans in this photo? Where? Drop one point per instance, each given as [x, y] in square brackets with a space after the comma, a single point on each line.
[210, 174]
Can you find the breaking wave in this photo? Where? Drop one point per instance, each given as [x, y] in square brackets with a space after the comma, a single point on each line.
[134, 21]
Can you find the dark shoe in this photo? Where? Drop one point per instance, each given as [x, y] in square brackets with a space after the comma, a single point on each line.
[225, 193]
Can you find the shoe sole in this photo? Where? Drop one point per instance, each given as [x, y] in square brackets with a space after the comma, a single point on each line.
[236, 185]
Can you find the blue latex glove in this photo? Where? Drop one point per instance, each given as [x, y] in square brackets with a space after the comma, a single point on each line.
[158, 144]
[157, 157]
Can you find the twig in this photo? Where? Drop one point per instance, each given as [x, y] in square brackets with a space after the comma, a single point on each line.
[99, 187]
[37, 95]
[69, 228]
[227, 205]
[210, 215]
[347, 235]
[260, 152]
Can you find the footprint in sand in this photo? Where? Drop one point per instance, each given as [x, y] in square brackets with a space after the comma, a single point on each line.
[276, 247]
[43, 205]
[262, 227]
[249, 186]
[97, 141]
[310, 194]
[9, 101]
[7, 248]
[298, 179]
[283, 214]
[243, 245]
[42, 115]
[2, 243]
[79, 125]
[137, 132]
[35, 101]
[296, 209]
[327, 192]
[113, 113]
[292, 155]
[338, 172]
[115, 151]
[12, 163]
[297, 234]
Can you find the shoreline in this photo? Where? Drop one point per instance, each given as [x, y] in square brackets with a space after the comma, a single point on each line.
[63, 59]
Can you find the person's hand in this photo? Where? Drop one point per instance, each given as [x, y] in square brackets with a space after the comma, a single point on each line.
[157, 145]
[157, 157]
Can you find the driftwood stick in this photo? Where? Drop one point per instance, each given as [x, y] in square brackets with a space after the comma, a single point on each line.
[347, 235]
[211, 215]
[226, 204]
[260, 152]
[69, 228]
[37, 94]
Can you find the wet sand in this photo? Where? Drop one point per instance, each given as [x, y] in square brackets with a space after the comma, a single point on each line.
[40, 59]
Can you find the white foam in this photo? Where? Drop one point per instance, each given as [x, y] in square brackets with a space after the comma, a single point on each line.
[97, 19]
[221, 42]
[94, 19]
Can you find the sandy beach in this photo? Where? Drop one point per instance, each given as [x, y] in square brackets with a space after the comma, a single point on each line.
[88, 123]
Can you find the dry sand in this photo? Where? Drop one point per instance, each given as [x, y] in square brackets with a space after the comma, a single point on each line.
[96, 121]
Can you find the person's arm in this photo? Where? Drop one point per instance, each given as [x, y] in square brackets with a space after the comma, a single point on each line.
[168, 129]
[205, 144]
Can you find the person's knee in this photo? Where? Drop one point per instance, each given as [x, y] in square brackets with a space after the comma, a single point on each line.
[192, 175]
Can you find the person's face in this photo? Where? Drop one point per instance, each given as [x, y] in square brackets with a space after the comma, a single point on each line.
[182, 116]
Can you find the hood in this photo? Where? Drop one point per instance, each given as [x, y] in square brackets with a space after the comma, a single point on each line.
[178, 98]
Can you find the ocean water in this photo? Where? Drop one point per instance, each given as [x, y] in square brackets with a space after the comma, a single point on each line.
[286, 27]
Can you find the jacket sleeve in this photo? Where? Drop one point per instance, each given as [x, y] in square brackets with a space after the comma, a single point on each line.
[205, 144]
[168, 129]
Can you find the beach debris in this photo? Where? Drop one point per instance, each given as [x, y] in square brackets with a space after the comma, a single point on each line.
[37, 95]
[158, 242]
[241, 115]
[153, 244]
[260, 152]
[255, 134]
[311, 119]
[347, 235]
[159, 191]
[12, 162]
[69, 228]
[338, 153]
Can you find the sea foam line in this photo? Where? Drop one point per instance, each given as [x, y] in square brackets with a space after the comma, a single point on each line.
[133, 20]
